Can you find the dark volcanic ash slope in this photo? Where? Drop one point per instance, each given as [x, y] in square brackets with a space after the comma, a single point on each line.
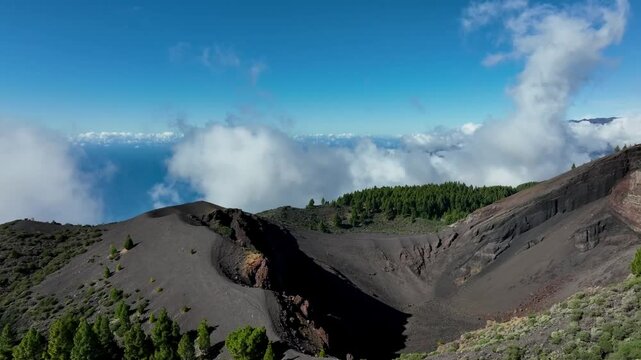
[517, 255]
[374, 295]
[234, 269]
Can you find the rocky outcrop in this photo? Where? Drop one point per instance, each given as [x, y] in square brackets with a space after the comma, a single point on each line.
[315, 307]
[588, 237]
[260, 254]
[626, 200]
[493, 228]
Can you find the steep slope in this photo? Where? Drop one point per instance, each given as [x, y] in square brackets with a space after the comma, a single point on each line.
[518, 255]
[371, 295]
[597, 323]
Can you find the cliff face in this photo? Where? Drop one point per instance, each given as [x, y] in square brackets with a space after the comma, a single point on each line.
[494, 228]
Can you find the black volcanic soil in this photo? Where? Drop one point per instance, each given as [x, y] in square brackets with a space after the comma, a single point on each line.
[374, 295]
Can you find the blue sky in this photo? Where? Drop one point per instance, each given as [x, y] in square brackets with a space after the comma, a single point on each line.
[366, 67]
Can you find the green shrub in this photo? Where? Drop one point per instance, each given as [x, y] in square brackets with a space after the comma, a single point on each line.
[129, 243]
[584, 336]
[269, 353]
[635, 266]
[627, 350]
[556, 337]
[247, 343]
[576, 315]
[116, 294]
[113, 252]
[605, 343]
[514, 352]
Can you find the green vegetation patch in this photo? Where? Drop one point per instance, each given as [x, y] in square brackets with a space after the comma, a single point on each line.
[29, 251]
[598, 323]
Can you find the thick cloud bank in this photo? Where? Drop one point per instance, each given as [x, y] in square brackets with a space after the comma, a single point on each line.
[560, 47]
[257, 167]
[40, 178]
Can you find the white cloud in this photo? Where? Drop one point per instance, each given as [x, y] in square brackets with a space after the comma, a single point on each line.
[494, 59]
[256, 70]
[164, 195]
[226, 57]
[219, 57]
[441, 139]
[560, 47]
[258, 168]
[480, 13]
[599, 138]
[178, 51]
[41, 179]
[470, 128]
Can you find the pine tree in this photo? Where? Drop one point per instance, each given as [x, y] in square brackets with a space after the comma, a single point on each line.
[186, 348]
[164, 352]
[617, 148]
[203, 341]
[31, 347]
[310, 204]
[7, 341]
[106, 273]
[85, 343]
[573, 166]
[323, 227]
[136, 343]
[175, 332]
[122, 316]
[162, 335]
[338, 222]
[108, 347]
[61, 334]
[129, 243]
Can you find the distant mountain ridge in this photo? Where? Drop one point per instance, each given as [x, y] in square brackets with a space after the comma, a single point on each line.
[596, 121]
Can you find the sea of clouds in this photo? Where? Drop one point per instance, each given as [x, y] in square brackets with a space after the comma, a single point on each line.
[257, 167]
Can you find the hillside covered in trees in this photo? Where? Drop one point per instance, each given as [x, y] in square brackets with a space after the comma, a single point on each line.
[397, 209]
[449, 201]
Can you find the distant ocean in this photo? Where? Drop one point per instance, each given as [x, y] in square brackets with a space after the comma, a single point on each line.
[124, 167]
[123, 174]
